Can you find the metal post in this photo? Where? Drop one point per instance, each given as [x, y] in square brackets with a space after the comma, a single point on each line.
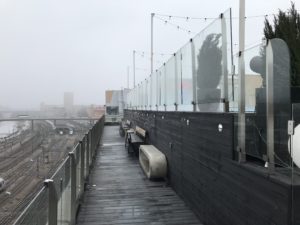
[241, 118]
[87, 155]
[224, 64]
[194, 75]
[133, 68]
[150, 91]
[73, 187]
[82, 151]
[152, 16]
[176, 84]
[165, 87]
[52, 203]
[270, 106]
[32, 125]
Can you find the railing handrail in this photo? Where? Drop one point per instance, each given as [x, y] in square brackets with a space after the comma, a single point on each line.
[93, 144]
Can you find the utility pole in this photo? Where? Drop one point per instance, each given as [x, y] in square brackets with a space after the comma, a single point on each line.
[152, 17]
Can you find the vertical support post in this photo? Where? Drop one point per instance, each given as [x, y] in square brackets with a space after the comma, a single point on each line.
[82, 152]
[32, 124]
[133, 67]
[90, 147]
[176, 83]
[224, 64]
[165, 87]
[150, 92]
[157, 90]
[87, 154]
[241, 148]
[194, 75]
[270, 106]
[73, 187]
[152, 17]
[52, 207]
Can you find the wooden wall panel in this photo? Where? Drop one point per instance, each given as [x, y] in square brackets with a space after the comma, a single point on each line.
[202, 170]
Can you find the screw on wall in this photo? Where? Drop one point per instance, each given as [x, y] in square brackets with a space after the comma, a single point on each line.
[187, 122]
[170, 145]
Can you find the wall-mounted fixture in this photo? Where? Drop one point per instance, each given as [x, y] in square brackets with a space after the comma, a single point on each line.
[220, 127]
[187, 122]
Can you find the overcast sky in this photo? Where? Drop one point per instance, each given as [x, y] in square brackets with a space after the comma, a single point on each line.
[84, 46]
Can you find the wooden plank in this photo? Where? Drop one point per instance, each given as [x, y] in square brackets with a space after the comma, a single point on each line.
[119, 193]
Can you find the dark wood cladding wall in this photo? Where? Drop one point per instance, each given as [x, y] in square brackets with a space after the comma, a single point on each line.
[202, 171]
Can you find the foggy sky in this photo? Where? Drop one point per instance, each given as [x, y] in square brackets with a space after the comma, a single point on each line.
[52, 46]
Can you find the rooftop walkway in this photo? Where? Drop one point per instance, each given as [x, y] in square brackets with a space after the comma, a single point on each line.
[119, 193]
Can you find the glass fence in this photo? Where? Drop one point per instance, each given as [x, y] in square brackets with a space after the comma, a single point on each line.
[268, 106]
[57, 202]
[196, 77]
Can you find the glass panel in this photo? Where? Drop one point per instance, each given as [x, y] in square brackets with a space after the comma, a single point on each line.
[227, 40]
[170, 82]
[149, 92]
[154, 90]
[178, 78]
[37, 212]
[186, 75]
[210, 71]
[162, 88]
[140, 96]
[267, 109]
[255, 103]
[145, 91]
[233, 86]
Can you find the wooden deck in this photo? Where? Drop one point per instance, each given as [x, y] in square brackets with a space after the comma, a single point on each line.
[119, 192]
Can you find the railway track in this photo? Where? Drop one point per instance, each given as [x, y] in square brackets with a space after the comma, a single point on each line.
[23, 173]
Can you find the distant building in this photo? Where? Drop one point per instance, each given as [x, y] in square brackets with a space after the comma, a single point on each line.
[115, 104]
[96, 111]
[68, 102]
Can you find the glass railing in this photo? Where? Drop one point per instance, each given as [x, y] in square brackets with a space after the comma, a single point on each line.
[57, 202]
[195, 78]
[268, 107]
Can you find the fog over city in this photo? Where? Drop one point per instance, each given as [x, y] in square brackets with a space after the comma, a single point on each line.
[84, 47]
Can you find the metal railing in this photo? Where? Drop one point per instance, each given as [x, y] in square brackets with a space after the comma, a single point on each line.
[57, 202]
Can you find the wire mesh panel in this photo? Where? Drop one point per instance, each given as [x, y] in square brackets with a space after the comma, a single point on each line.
[37, 211]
